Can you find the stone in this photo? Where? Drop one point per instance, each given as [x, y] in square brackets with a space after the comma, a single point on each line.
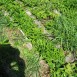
[56, 12]
[6, 13]
[44, 69]
[28, 13]
[29, 46]
[38, 23]
[69, 58]
[58, 46]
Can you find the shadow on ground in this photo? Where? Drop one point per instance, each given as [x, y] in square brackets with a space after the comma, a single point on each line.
[11, 65]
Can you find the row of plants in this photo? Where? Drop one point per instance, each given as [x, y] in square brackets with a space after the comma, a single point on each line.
[55, 57]
[41, 8]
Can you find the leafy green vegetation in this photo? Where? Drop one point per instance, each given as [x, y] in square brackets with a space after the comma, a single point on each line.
[59, 17]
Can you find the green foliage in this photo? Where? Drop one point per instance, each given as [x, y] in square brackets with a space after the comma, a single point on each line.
[62, 27]
[32, 63]
[64, 31]
[3, 38]
[31, 3]
[40, 8]
[67, 70]
[3, 19]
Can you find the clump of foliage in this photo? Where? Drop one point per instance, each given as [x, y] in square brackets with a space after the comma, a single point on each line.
[32, 64]
[64, 32]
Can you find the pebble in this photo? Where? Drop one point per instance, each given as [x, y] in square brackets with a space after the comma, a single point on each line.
[69, 58]
[29, 46]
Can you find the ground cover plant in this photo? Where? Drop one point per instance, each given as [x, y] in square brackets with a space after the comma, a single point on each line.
[59, 18]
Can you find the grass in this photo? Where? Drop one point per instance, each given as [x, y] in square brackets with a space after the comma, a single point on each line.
[61, 26]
